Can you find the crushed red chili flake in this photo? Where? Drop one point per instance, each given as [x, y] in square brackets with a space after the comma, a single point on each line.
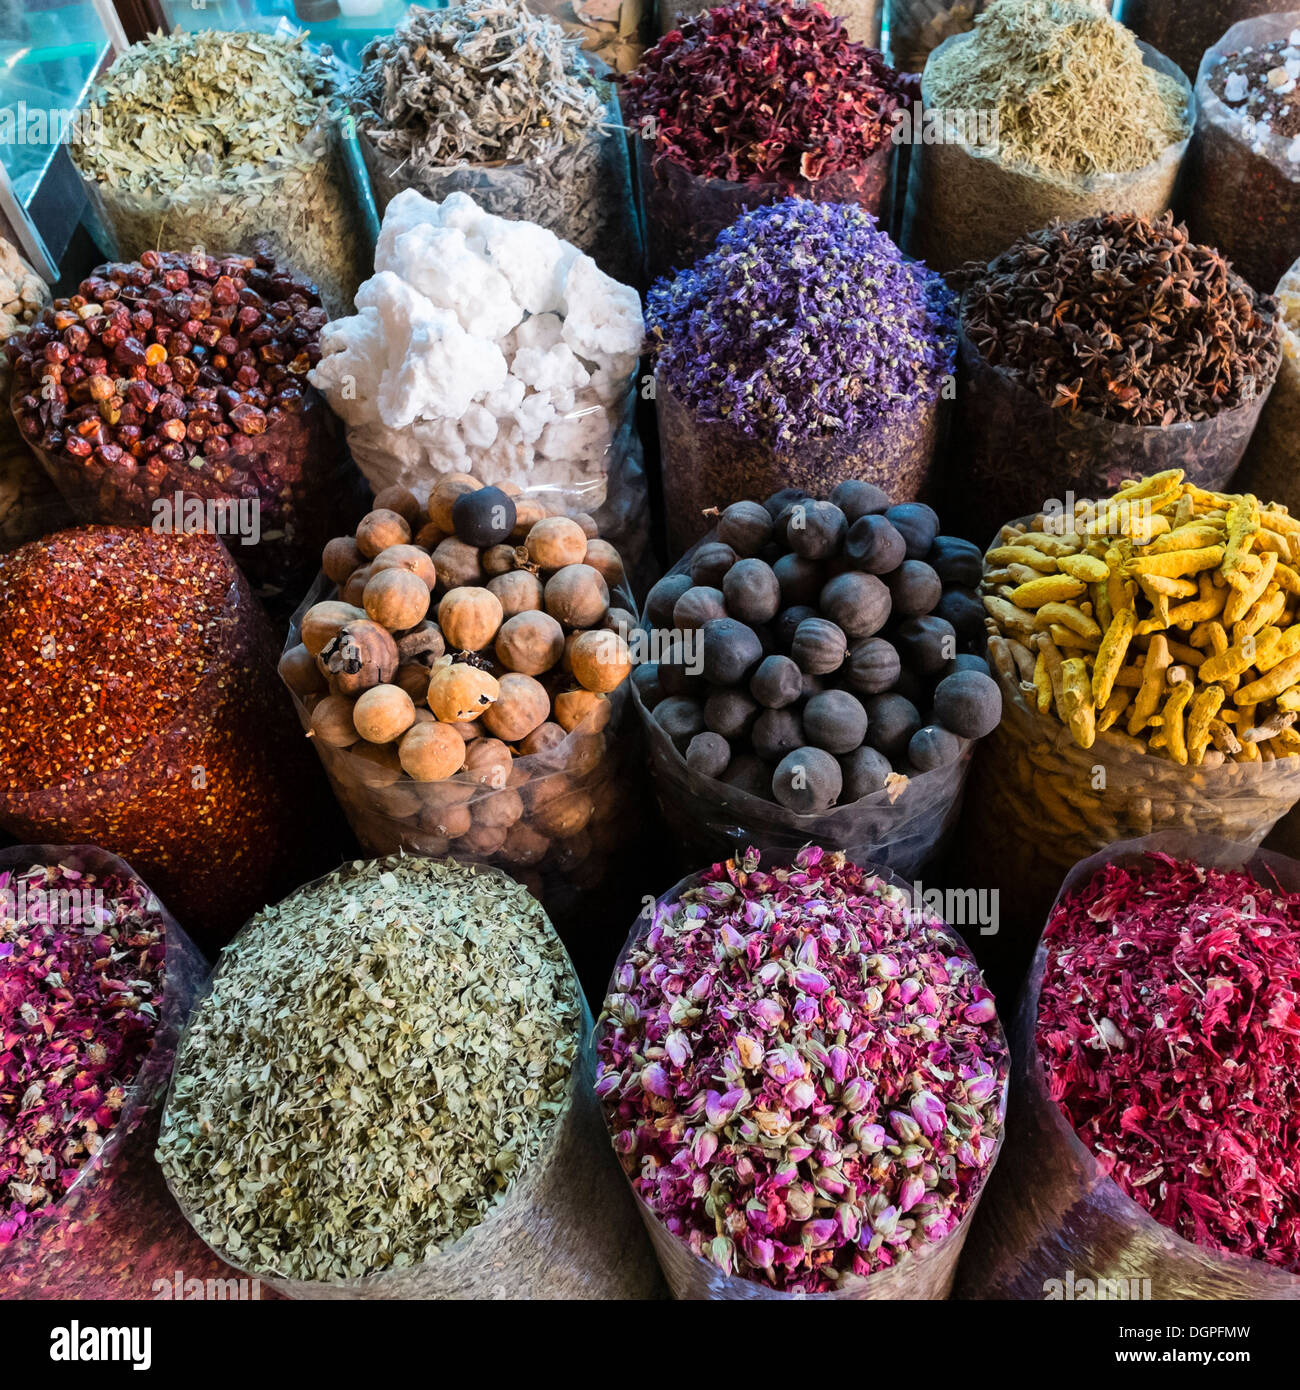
[139, 710]
[82, 967]
[1169, 1031]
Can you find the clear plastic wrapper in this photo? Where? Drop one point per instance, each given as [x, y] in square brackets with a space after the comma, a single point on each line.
[862, 18]
[1013, 450]
[201, 807]
[964, 206]
[1054, 803]
[595, 465]
[682, 213]
[116, 1231]
[557, 825]
[299, 211]
[927, 1275]
[564, 1230]
[30, 505]
[710, 819]
[708, 465]
[297, 471]
[1051, 1214]
[1183, 31]
[582, 192]
[1242, 199]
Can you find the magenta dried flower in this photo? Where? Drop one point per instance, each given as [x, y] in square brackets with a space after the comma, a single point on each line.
[779, 1122]
[82, 961]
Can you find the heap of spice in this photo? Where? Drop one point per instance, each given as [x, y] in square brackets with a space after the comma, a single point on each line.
[182, 379]
[1068, 85]
[1045, 112]
[461, 687]
[822, 657]
[1260, 86]
[139, 711]
[426, 1027]
[806, 333]
[218, 135]
[495, 101]
[1127, 319]
[1245, 158]
[763, 91]
[1168, 1030]
[1160, 620]
[82, 972]
[804, 1081]
[750, 103]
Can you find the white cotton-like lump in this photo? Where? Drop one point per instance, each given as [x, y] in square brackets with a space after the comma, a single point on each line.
[481, 345]
[442, 266]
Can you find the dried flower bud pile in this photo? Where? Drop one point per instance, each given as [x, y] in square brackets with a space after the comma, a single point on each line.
[460, 690]
[482, 346]
[138, 711]
[427, 1022]
[82, 966]
[1161, 620]
[1168, 1029]
[805, 327]
[805, 1083]
[185, 374]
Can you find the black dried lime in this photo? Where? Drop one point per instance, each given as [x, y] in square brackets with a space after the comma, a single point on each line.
[775, 733]
[807, 780]
[933, 746]
[915, 587]
[752, 591]
[730, 713]
[856, 498]
[859, 604]
[891, 722]
[815, 530]
[968, 703]
[835, 721]
[778, 682]
[864, 771]
[926, 644]
[708, 754]
[874, 545]
[484, 517]
[818, 646]
[731, 651]
[917, 524]
[873, 666]
[746, 527]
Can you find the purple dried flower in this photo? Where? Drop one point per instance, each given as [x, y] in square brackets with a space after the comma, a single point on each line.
[804, 321]
[809, 1116]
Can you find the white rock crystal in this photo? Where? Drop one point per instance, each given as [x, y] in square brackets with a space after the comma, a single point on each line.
[481, 346]
[1235, 88]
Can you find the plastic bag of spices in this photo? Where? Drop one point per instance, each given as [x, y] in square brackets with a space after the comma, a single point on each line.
[1244, 163]
[432, 1155]
[84, 1213]
[556, 818]
[918, 27]
[891, 1237]
[775, 727]
[1054, 1223]
[1055, 800]
[182, 763]
[214, 428]
[967, 203]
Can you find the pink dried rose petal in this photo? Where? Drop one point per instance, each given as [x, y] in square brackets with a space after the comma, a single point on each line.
[804, 1081]
[1168, 1030]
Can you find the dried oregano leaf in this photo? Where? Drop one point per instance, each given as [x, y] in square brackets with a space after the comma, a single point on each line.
[382, 1056]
